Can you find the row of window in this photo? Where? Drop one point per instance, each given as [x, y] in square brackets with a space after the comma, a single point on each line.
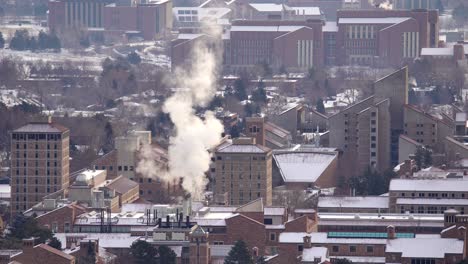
[428, 209]
[36, 155]
[111, 168]
[434, 195]
[21, 136]
[36, 146]
[36, 181]
[36, 173]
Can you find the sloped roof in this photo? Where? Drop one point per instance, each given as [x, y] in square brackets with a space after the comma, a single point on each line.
[41, 128]
[253, 206]
[54, 251]
[121, 185]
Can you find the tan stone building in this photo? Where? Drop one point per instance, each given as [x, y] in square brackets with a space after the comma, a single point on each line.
[425, 128]
[39, 163]
[362, 131]
[243, 172]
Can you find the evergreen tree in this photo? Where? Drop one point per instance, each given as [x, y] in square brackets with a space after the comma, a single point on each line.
[19, 40]
[239, 90]
[54, 43]
[234, 131]
[143, 252]
[55, 243]
[320, 106]
[133, 58]
[42, 40]
[259, 94]
[26, 227]
[423, 157]
[239, 254]
[2, 41]
[166, 255]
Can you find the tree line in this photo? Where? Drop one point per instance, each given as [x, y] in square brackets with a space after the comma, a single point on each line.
[23, 41]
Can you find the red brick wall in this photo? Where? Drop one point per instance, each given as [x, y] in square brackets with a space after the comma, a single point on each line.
[251, 231]
[60, 216]
[32, 255]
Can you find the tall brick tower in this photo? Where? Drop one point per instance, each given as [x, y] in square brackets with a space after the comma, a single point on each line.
[39, 163]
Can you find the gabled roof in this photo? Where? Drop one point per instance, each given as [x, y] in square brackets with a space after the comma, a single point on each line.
[54, 251]
[41, 128]
[121, 184]
[255, 206]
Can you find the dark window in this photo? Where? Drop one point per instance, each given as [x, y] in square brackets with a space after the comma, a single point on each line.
[268, 221]
[352, 248]
[300, 248]
[370, 249]
[120, 168]
[335, 248]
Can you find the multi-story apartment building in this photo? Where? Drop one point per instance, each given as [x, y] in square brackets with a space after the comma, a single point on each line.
[425, 128]
[362, 131]
[243, 172]
[39, 163]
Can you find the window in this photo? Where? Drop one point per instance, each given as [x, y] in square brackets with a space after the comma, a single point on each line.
[352, 248]
[120, 168]
[268, 221]
[335, 249]
[300, 248]
[370, 249]
[125, 168]
[272, 236]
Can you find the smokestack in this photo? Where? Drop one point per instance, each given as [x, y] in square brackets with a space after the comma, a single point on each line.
[187, 220]
[180, 219]
[167, 221]
[159, 223]
[177, 214]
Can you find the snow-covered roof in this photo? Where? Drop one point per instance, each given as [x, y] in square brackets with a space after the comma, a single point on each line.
[432, 201]
[353, 202]
[307, 10]
[267, 7]
[437, 52]
[106, 240]
[440, 185]
[5, 191]
[274, 211]
[376, 20]
[367, 219]
[427, 247]
[309, 254]
[322, 238]
[220, 250]
[330, 26]
[265, 28]
[242, 148]
[303, 166]
[364, 259]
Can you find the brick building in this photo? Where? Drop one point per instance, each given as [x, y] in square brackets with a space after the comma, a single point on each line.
[148, 20]
[384, 37]
[151, 20]
[39, 163]
[62, 219]
[242, 172]
[256, 42]
[76, 13]
[35, 254]
[123, 160]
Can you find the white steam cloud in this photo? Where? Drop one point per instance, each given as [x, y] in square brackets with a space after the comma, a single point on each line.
[187, 154]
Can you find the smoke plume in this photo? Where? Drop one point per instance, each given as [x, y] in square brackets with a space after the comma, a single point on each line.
[193, 136]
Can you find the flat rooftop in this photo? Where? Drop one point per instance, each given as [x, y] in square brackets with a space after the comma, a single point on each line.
[353, 202]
